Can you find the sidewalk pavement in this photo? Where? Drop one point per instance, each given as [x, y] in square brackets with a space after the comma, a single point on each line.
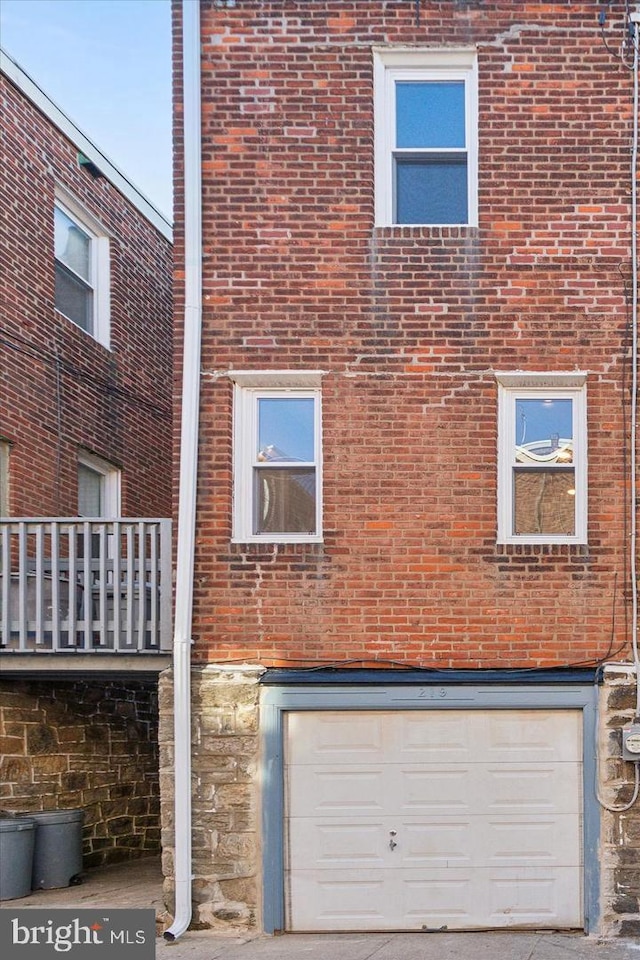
[397, 946]
[138, 885]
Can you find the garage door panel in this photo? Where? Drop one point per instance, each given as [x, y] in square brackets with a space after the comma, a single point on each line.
[444, 898]
[329, 842]
[542, 787]
[532, 896]
[440, 842]
[488, 788]
[358, 900]
[344, 900]
[337, 738]
[527, 788]
[323, 790]
[449, 841]
[531, 735]
[432, 789]
[514, 842]
[444, 738]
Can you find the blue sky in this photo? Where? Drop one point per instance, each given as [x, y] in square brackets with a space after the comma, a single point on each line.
[107, 65]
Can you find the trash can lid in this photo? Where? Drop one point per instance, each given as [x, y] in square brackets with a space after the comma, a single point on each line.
[55, 816]
[10, 824]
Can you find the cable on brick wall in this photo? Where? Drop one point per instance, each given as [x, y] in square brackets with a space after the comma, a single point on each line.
[24, 347]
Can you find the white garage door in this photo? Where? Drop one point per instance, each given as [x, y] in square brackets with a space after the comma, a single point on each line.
[428, 819]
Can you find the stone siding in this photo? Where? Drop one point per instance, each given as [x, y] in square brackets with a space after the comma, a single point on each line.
[620, 831]
[226, 845]
[89, 744]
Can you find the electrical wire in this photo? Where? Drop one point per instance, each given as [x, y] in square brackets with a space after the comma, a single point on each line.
[313, 664]
[623, 55]
[627, 806]
[21, 345]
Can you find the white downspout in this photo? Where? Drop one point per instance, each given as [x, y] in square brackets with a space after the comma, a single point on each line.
[188, 467]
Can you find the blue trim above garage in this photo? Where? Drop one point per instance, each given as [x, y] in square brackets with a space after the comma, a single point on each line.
[323, 675]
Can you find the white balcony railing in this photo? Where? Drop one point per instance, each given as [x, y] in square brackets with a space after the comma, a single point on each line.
[85, 585]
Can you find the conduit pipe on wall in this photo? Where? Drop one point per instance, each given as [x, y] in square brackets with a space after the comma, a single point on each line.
[635, 33]
[188, 467]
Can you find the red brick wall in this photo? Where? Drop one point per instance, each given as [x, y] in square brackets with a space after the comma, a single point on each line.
[61, 390]
[409, 324]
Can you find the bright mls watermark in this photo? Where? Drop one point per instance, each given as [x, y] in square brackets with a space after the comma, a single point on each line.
[79, 934]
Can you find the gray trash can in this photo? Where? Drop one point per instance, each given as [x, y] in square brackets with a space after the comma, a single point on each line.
[17, 838]
[57, 855]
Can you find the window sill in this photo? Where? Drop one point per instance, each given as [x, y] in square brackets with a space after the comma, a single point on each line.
[453, 230]
[267, 541]
[543, 542]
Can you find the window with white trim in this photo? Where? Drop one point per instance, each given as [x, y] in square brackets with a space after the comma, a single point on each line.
[426, 136]
[81, 269]
[98, 488]
[4, 478]
[542, 458]
[277, 494]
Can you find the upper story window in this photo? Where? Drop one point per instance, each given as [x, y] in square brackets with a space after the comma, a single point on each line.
[426, 143]
[81, 269]
[542, 451]
[277, 457]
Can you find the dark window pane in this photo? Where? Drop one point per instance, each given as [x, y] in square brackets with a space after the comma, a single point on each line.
[286, 429]
[90, 492]
[285, 500]
[74, 298]
[431, 191]
[544, 502]
[430, 114]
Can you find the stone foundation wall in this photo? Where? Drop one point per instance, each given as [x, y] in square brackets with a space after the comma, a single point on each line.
[620, 831]
[226, 833]
[89, 744]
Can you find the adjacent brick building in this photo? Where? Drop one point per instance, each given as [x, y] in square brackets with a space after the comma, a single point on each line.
[85, 432]
[102, 391]
[413, 613]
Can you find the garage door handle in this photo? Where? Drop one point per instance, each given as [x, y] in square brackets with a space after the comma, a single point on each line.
[392, 843]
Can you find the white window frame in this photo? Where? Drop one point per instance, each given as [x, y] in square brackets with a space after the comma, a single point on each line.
[249, 387]
[393, 64]
[517, 385]
[100, 266]
[5, 448]
[111, 484]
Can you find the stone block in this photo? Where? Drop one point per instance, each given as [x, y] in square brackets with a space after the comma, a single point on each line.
[12, 746]
[119, 826]
[230, 795]
[234, 847]
[625, 903]
[242, 889]
[621, 697]
[48, 765]
[42, 738]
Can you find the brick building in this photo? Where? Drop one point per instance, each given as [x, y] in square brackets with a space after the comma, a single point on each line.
[85, 478]
[414, 621]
